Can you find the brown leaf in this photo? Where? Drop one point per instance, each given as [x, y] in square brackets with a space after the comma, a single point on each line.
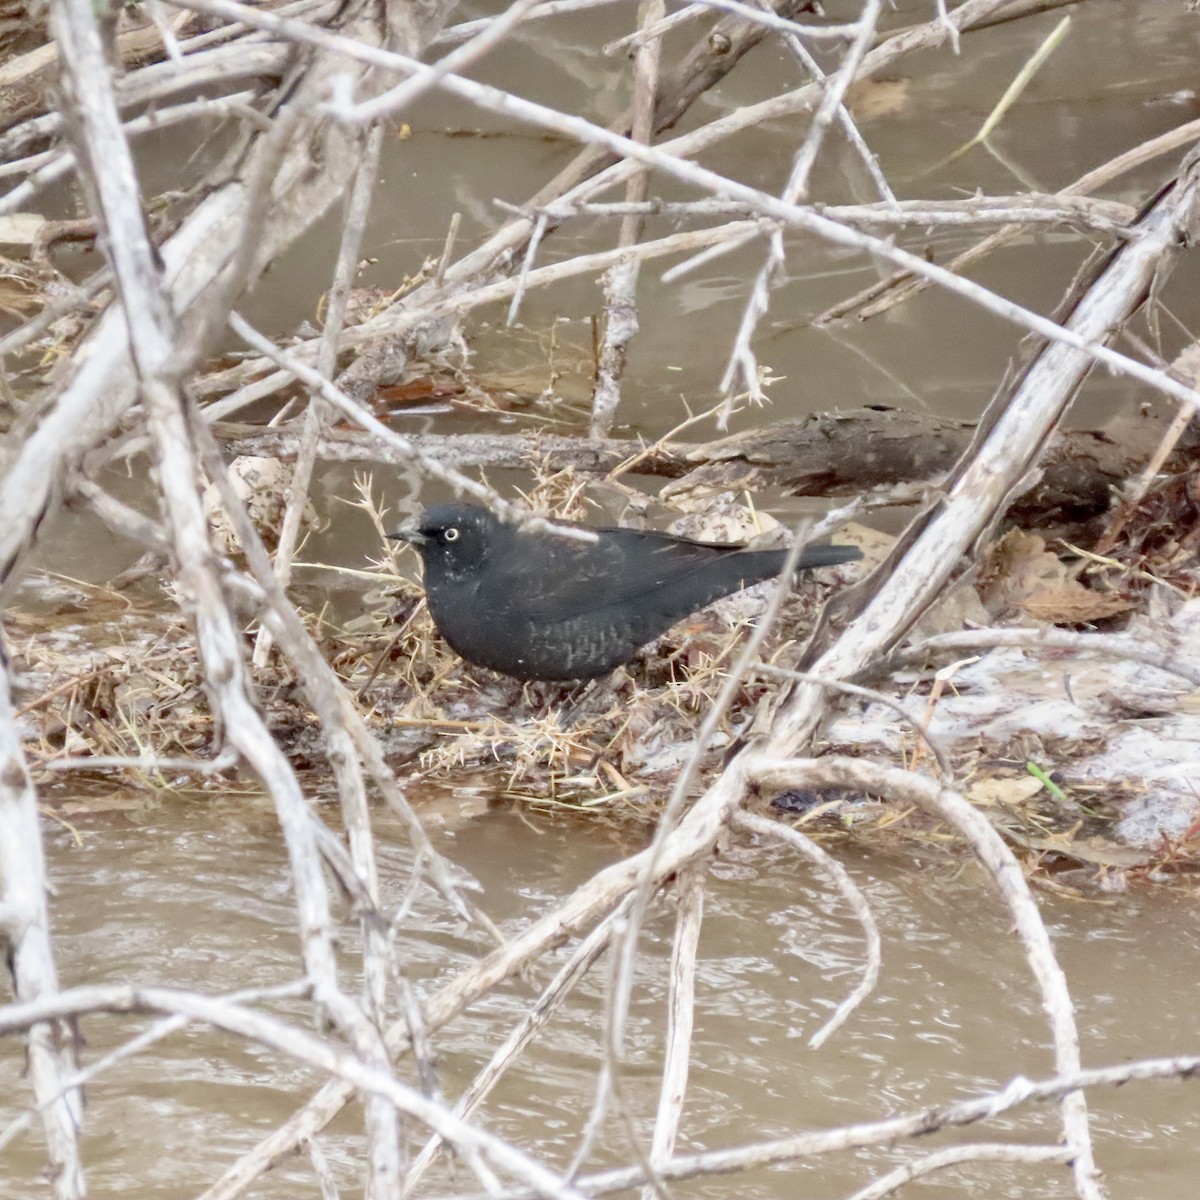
[1021, 575]
[1004, 789]
[1070, 603]
[870, 98]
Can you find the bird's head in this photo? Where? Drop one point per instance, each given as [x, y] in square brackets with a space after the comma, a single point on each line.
[452, 539]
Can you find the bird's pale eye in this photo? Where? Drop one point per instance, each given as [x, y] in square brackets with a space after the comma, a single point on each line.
[451, 534]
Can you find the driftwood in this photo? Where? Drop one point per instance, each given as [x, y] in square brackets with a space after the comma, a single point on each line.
[133, 385]
[224, 244]
[835, 453]
[26, 80]
[827, 454]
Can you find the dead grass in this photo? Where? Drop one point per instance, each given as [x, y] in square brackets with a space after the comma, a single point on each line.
[111, 674]
[107, 677]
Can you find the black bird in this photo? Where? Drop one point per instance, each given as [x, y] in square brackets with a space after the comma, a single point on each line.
[539, 605]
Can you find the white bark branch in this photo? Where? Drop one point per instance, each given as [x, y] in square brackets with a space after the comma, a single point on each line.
[25, 940]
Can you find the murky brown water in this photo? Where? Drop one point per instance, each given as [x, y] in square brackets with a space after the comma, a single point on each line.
[1124, 73]
[194, 892]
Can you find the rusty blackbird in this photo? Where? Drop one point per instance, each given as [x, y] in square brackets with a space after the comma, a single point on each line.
[535, 604]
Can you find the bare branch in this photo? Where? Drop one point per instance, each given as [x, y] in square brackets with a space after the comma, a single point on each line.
[850, 892]
[25, 938]
[1010, 880]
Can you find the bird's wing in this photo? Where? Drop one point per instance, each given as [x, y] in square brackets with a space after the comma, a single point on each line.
[574, 577]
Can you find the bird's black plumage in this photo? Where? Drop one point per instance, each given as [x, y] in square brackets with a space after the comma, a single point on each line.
[535, 604]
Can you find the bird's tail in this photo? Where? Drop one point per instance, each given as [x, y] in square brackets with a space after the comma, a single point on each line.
[827, 556]
[757, 565]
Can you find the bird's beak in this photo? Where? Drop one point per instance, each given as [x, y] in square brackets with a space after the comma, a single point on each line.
[408, 532]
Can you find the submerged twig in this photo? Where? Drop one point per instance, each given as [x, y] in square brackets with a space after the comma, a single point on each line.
[989, 847]
[849, 891]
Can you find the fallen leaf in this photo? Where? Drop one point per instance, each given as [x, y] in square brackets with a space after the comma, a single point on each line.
[1094, 851]
[1003, 789]
[20, 229]
[870, 98]
[1022, 576]
[1070, 603]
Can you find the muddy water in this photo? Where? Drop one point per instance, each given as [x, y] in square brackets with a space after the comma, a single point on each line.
[194, 892]
[1124, 73]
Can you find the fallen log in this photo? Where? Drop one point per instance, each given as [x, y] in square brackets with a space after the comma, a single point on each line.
[825, 454]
